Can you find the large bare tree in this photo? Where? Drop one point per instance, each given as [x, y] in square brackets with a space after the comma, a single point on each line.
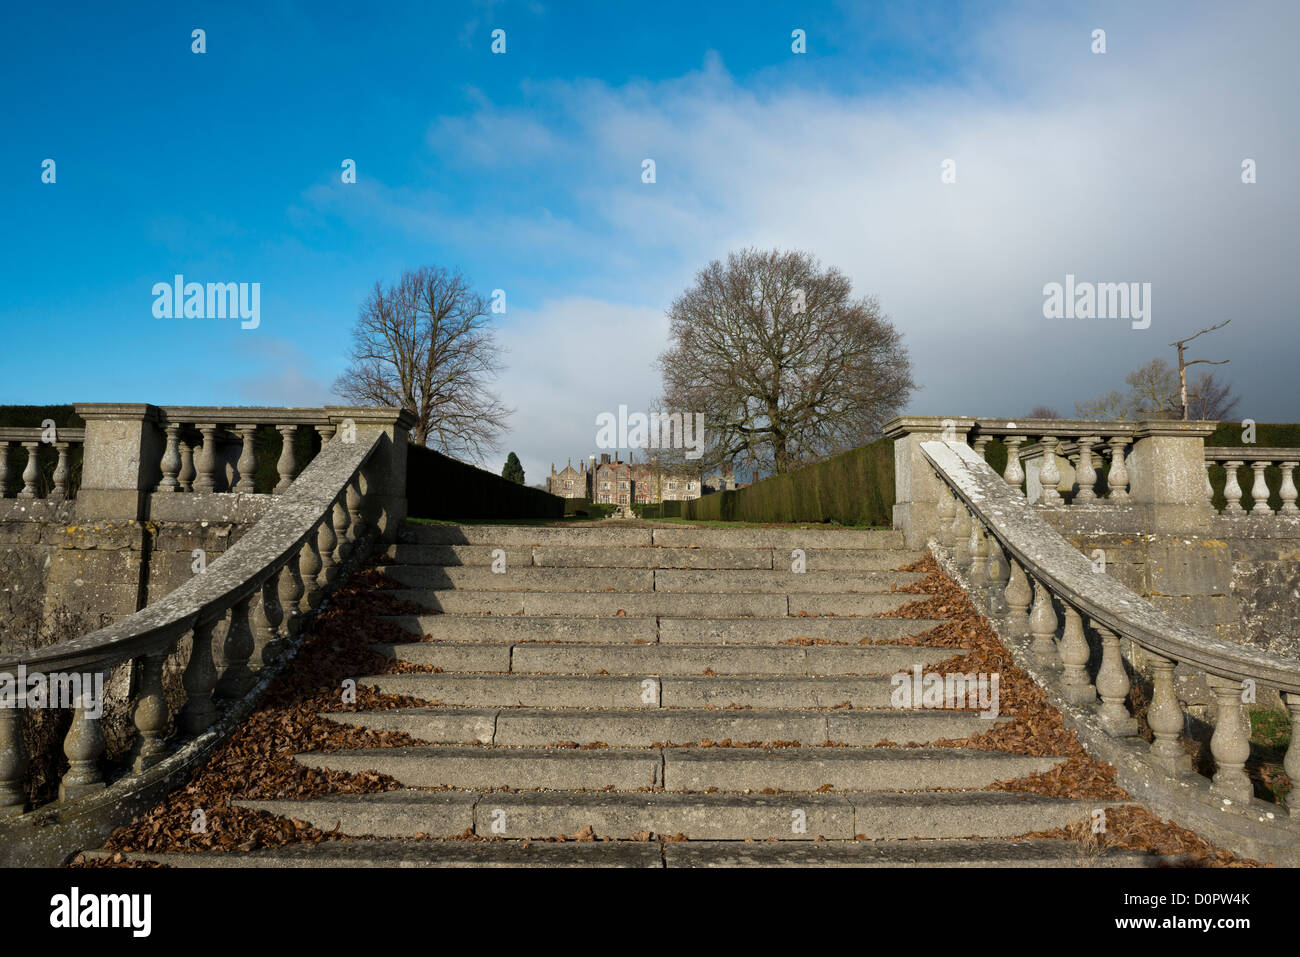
[425, 343]
[786, 365]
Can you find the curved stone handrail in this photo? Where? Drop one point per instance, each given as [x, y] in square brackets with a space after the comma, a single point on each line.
[1003, 546]
[1071, 577]
[290, 558]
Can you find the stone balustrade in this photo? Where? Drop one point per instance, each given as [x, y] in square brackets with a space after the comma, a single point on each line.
[1258, 460]
[258, 588]
[28, 482]
[245, 610]
[1080, 632]
[1094, 467]
[213, 449]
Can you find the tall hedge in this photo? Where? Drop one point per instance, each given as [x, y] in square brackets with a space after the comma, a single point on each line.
[855, 488]
[438, 486]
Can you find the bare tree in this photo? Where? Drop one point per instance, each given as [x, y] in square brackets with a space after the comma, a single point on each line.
[1112, 405]
[425, 344]
[1210, 399]
[785, 364]
[1043, 412]
[1153, 390]
[1181, 345]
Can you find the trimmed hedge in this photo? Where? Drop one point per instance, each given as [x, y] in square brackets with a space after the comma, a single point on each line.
[581, 508]
[438, 486]
[855, 488]
[669, 509]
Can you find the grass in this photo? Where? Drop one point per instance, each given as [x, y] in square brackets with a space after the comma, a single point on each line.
[716, 523]
[1270, 735]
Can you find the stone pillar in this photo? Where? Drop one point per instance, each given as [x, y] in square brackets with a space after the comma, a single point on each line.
[122, 463]
[916, 486]
[385, 505]
[1168, 473]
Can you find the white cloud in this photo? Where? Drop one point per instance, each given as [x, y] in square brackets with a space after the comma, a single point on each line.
[1120, 167]
[569, 360]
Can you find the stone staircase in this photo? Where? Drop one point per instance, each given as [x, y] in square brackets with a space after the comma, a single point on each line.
[679, 693]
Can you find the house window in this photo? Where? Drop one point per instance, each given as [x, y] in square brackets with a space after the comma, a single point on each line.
[604, 485]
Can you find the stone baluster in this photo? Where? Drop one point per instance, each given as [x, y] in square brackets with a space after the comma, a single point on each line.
[1259, 490]
[206, 461]
[1085, 475]
[171, 460]
[84, 744]
[1112, 687]
[309, 566]
[264, 618]
[199, 679]
[342, 522]
[1232, 490]
[1014, 473]
[1209, 486]
[946, 511]
[62, 472]
[356, 499]
[979, 556]
[981, 443]
[326, 540]
[32, 473]
[186, 475]
[150, 713]
[287, 465]
[4, 468]
[1288, 490]
[1074, 659]
[1042, 625]
[236, 649]
[1290, 764]
[1049, 475]
[1118, 477]
[13, 762]
[247, 464]
[1165, 715]
[289, 590]
[1017, 597]
[1230, 743]
[998, 574]
[961, 535]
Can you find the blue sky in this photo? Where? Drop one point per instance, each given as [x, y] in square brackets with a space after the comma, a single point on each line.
[523, 169]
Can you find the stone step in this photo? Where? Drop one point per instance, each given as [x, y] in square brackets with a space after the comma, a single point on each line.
[716, 581]
[676, 536]
[632, 630]
[517, 853]
[420, 853]
[954, 853]
[624, 815]
[855, 769]
[679, 536]
[782, 581]
[573, 658]
[648, 604]
[618, 556]
[408, 553]
[777, 630]
[685, 769]
[643, 727]
[636, 691]
[524, 535]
